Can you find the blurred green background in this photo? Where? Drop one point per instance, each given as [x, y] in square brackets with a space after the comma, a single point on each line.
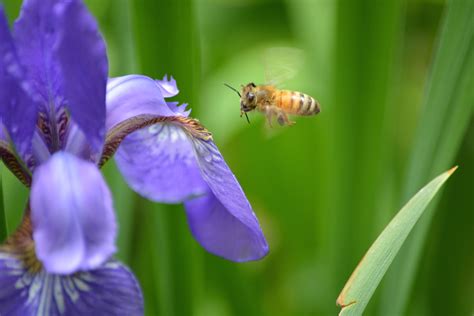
[394, 82]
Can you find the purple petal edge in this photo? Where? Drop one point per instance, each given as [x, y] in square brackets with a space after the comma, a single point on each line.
[17, 111]
[228, 196]
[223, 234]
[133, 95]
[169, 88]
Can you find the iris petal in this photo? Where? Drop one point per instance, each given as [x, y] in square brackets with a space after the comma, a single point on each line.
[64, 56]
[168, 87]
[176, 160]
[111, 289]
[221, 233]
[17, 111]
[172, 162]
[36, 33]
[159, 163]
[3, 137]
[227, 206]
[83, 64]
[132, 95]
[72, 213]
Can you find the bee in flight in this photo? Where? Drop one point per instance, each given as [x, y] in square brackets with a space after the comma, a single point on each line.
[273, 102]
[281, 64]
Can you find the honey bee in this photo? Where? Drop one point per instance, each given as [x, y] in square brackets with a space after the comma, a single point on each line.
[281, 63]
[273, 102]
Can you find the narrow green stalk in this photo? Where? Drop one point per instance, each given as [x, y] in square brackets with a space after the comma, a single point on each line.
[358, 118]
[444, 119]
[3, 218]
[116, 25]
[124, 203]
[166, 38]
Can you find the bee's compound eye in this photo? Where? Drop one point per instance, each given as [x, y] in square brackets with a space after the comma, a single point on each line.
[250, 96]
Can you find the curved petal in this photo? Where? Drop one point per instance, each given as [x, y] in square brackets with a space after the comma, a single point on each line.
[177, 160]
[17, 111]
[133, 95]
[158, 162]
[72, 214]
[221, 233]
[168, 87]
[110, 289]
[228, 207]
[83, 64]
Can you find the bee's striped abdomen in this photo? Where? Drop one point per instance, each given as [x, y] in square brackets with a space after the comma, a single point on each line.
[294, 102]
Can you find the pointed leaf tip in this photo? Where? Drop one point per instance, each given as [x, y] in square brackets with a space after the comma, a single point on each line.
[370, 270]
[451, 171]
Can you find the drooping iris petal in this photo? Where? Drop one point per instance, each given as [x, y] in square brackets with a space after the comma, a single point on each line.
[176, 160]
[17, 111]
[133, 95]
[111, 289]
[159, 163]
[72, 214]
[167, 162]
[221, 233]
[83, 66]
[227, 207]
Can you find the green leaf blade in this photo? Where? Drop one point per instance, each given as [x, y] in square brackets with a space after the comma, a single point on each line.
[3, 218]
[445, 117]
[366, 277]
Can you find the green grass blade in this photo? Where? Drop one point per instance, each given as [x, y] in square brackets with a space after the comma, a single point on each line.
[366, 277]
[3, 218]
[124, 201]
[115, 24]
[166, 38]
[445, 116]
[360, 105]
[448, 70]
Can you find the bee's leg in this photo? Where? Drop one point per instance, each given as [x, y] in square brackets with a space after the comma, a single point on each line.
[282, 118]
[269, 113]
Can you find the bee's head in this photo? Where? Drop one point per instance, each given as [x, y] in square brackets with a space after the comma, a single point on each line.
[248, 98]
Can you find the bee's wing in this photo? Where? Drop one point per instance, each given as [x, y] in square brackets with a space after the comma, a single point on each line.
[281, 64]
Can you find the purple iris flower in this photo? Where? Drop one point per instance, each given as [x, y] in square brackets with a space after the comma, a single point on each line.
[53, 77]
[174, 160]
[60, 121]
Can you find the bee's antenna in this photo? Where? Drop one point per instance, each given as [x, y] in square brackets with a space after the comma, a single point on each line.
[242, 113]
[247, 117]
[232, 88]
